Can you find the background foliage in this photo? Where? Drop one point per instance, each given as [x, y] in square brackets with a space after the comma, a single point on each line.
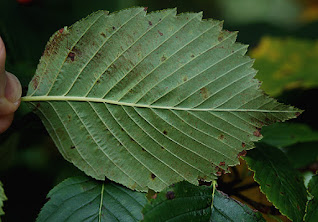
[28, 155]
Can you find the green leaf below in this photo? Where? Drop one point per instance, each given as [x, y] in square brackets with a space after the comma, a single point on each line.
[279, 181]
[84, 199]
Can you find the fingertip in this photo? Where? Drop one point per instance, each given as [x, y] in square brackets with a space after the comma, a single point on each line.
[13, 89]
[2, 53]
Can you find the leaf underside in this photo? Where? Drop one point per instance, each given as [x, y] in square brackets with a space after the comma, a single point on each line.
[148, 100]
[84, 199]
[279, 181]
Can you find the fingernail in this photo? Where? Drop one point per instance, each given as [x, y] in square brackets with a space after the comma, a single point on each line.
[13, 89]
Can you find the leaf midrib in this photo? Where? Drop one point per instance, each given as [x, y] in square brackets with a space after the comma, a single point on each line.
[113, 102]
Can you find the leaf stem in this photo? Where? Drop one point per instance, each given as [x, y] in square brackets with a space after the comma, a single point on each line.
[101, 203]
[113, 102]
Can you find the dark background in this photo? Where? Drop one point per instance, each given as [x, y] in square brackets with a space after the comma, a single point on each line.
[30, 165]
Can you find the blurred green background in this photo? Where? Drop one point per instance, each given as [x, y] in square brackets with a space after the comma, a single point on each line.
[30, 165]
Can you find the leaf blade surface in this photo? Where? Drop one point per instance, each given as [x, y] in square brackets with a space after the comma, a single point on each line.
[84, 199]
[148, 100]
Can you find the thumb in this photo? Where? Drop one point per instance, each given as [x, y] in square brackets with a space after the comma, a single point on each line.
[10, 87]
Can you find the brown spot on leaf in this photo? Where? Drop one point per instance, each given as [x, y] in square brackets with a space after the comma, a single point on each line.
[165, 132]
[160, 33]
[103, 34]
[185, 78]
[163, 58]
[221, 137]
[143, 149]
[154, 196]
[72, 147]
[69, 117]
[145, 9]
[61, 30]
[170, 195]
[71, 56]
[153, 176]
[219, 173]
[243, 145]
[114, 27]
[35, 82]
[257, 132]
[242, 153]
[204, 93]
[192, 56]
[150, 23]
[222, 164]
[268, 185]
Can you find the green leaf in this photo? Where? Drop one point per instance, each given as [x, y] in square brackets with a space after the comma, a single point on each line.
[150, 100]
[180, 202]
[286, 134]
[228, 209]
[186, 202]
[279, 181]
[84, 199]
[312, 205]
[2, 199]
[302, 154]
[286, 64]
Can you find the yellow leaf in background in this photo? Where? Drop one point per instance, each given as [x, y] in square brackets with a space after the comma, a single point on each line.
[286, 63]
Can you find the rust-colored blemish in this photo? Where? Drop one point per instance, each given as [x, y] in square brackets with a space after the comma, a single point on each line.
[150, 23]
[243, 145]
[160, 33]
[257, 132]
[35, 82]
[222, 163]
[221, 137]
[219, 173]
[61, 30]
[103, 34]
[145, 9]
[71, 56]
[242, 153]
[165, 132]
[154, 196]
[153, 176]
[204, 93]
